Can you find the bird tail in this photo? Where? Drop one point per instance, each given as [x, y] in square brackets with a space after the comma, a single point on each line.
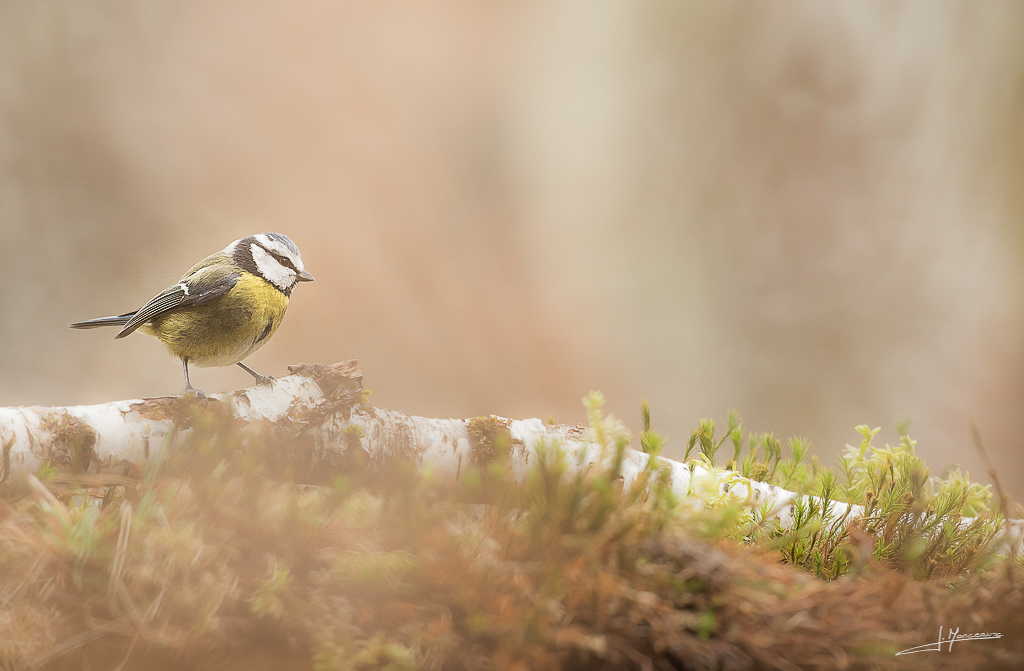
[119, 320]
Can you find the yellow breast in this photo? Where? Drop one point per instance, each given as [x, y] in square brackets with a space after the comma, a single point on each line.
[225, 330]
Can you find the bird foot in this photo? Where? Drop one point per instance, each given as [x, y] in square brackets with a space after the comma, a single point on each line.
[264, 380]
[191, 391]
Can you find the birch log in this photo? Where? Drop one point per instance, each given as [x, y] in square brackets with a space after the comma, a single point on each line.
[111, 443]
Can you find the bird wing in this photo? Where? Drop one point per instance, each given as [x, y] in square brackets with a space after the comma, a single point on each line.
[196, 288]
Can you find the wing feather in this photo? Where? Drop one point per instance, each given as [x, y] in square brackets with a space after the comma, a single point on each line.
[169, 298]
[196, 289]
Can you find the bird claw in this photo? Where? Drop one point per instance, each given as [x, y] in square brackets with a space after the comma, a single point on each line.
[191, 391]
[264, 380]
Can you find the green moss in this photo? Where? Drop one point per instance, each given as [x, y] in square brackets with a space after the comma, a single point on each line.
[911, 518]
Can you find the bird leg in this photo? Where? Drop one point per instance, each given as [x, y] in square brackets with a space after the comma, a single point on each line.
[189, 389]
[260, 379]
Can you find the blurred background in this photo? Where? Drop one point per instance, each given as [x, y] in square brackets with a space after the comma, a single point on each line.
[808, 212]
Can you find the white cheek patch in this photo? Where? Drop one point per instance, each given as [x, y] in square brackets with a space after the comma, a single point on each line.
[286, 250]
[280, 276]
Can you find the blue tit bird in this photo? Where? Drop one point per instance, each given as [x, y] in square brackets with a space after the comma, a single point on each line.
[224, 308]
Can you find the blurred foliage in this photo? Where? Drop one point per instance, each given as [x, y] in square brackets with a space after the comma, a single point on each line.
[225, 557]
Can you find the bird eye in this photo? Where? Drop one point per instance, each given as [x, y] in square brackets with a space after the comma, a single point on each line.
[283, 260]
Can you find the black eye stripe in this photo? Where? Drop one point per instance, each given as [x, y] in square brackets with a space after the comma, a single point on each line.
[277, 256]
[283, 260]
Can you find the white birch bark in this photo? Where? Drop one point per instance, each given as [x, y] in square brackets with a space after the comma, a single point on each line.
[109, 443]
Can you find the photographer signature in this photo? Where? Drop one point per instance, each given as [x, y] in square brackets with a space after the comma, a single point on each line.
[952, 636]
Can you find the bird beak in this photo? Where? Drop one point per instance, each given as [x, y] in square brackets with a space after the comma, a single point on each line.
[303, 276]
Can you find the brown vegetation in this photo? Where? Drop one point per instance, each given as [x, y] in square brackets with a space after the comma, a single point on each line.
[213, 563]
